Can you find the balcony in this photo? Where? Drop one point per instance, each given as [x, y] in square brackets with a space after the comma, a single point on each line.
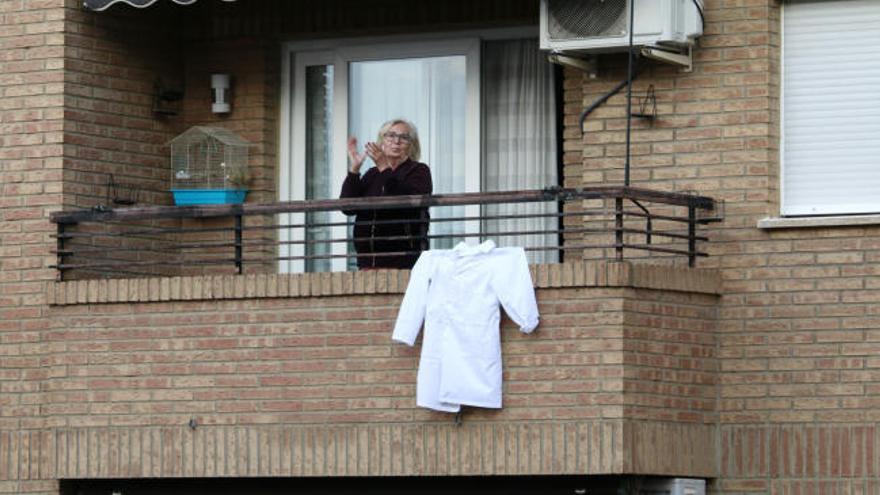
[176, 349]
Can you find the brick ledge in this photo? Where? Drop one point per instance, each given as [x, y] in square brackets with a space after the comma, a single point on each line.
[562, 275]
[420, 449]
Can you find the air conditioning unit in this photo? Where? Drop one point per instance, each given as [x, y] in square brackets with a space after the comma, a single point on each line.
[595, 26]
[673, 486]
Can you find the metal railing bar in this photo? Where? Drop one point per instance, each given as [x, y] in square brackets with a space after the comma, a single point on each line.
[533, 248]
[136, 234]
[183, 247]
[93, 249]
[174, 246]
[378, 203]
[121, 248]
[400, 253]
[658, 217]
[141, 232]
[112, 257]
[123, 272]
[433, 220]
[430, 236]
[150, 230]
[68, 266]
[128, 234]
[252, 243]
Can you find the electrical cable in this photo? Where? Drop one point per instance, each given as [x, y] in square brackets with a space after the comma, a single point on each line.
[602, 99]
[629, 80]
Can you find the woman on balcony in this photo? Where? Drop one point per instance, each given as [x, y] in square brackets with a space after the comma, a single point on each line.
[397, 172]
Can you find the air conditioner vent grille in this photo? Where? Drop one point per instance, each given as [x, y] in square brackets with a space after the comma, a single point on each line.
[570, 19]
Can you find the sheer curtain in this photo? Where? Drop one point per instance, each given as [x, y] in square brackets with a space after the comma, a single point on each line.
[429, 92]
[519, 140]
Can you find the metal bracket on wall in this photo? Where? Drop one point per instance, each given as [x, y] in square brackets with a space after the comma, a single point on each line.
[647, 105]
[587, 65]
[121, 194]
[684, 59]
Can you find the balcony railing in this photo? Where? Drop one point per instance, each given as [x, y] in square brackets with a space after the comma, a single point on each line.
[585, 223]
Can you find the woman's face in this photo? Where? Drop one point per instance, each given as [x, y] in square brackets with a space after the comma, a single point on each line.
[395, 143]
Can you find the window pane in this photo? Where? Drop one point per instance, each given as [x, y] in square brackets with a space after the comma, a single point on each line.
[431, 93]
[319, 97]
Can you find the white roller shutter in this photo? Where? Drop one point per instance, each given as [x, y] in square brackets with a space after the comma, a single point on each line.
[831, 107]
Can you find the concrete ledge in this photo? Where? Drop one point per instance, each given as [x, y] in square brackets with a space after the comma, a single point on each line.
[771, 223]
[560, 275]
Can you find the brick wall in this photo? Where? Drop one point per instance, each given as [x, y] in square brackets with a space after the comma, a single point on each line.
[254, 66]
[296, 374]
[792, 362]
[798, 329]
[31, 125]
[113, 63]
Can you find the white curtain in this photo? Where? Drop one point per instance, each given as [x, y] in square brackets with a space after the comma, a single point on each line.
[429, 92]
[519, 140]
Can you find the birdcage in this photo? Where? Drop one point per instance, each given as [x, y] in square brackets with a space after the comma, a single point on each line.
[209, 166]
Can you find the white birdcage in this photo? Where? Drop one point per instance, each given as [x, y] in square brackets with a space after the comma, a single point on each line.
[208, 162]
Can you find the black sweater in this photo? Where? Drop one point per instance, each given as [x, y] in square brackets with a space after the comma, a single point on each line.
[409, 177]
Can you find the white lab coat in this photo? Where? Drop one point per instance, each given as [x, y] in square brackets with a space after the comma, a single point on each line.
[456, 293]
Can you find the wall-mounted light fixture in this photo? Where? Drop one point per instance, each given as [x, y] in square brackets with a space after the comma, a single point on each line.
[220, 93]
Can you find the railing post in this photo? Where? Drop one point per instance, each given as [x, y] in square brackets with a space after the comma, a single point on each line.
[692, 235]
[618, 227]
[238, 242]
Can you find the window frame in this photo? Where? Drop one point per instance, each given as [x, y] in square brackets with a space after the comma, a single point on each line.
[787, 209]
[339, 52]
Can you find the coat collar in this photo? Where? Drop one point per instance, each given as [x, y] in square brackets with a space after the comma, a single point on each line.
[464, 249]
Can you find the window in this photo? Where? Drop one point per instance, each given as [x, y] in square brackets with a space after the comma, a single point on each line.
[485, 112]
[831, 107]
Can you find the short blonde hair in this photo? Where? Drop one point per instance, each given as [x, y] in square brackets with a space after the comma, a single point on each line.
[415, 148]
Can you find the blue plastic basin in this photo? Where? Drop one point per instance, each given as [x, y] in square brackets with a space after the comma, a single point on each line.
[183, 197]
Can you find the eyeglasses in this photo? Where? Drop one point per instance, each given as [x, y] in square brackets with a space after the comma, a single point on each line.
[393, 136]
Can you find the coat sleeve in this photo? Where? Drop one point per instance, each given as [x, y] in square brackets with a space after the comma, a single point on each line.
[351, 188]
[415, 302]
[512, 283]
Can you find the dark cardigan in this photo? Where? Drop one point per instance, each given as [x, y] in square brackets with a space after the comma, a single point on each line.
[409, 177]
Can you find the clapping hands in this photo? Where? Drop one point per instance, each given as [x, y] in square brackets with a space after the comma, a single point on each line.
[356, 158]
